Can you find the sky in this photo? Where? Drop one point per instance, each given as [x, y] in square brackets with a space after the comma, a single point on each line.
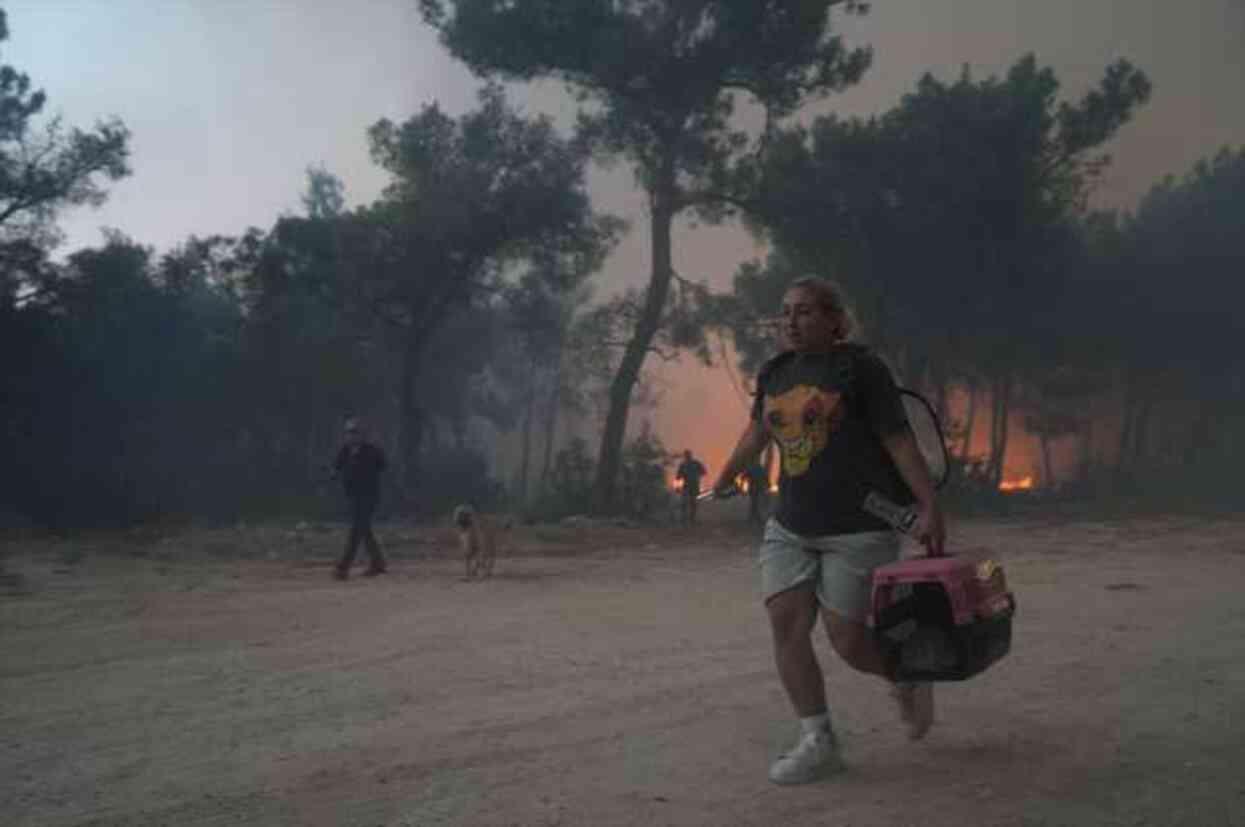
[229, 101]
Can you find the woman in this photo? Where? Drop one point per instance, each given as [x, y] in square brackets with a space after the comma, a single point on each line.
[833, 409]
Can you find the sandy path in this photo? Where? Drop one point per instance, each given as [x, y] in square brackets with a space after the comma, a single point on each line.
[627, 685]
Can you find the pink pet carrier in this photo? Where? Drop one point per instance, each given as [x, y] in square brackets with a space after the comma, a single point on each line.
[941, 618]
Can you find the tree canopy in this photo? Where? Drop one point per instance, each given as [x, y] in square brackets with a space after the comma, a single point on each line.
[660, 83]
[45, 168]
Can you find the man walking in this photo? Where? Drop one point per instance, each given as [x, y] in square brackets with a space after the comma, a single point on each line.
[690, 473]
[359, 464]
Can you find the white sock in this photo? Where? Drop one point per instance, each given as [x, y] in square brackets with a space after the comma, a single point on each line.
[816, 724]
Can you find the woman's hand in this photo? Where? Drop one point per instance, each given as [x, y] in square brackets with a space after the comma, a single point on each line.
[930, 528]
[751, 442]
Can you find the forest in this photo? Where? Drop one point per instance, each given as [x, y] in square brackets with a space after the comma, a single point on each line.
[465, 305]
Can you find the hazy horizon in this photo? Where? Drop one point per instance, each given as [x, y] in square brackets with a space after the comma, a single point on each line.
[228, 104]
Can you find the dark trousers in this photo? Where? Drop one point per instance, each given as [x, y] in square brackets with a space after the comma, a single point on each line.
[754, 505]
[361, 510]
[690, 498]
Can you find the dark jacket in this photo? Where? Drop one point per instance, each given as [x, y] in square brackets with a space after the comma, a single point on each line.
[359, 468]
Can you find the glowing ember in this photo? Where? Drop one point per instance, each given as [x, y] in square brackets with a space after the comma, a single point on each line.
[676, 485]
[773, 488]
[1022, 484]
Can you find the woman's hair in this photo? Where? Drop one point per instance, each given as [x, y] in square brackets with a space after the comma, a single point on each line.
[832, 298]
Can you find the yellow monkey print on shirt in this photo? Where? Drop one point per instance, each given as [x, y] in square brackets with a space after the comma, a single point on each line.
[800, 421]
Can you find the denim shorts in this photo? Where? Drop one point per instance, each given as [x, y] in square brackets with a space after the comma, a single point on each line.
[839, 565]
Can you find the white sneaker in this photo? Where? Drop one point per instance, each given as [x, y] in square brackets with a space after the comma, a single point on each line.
[916, 707]
[815, 757]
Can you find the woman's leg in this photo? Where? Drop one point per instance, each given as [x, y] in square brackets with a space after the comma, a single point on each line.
[847, 584]
[853, 641]
[792, 615]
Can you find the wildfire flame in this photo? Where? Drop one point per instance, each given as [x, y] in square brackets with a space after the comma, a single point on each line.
[1022, 484]
[741, 482]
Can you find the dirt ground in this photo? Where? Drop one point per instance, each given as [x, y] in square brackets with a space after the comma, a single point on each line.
[606, 676]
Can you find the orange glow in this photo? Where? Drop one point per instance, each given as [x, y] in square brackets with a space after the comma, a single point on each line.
[1024, 451]
[676, 484]
[773, 488]
[704, 409]
[741, 482]
[1022, 484]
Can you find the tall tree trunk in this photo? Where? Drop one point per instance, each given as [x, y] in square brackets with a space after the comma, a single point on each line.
[551, 421]
[425, 315]
[314, 459]
[1002, 410]
[1126, 425]
[1048, 478]
[610, 455]
[529, 405]
[410, 425]
[1203, 435]
[1087, 448]
[411, 422]
[994, 429]
[1141, 431]
[970, 420]
[1005, 411]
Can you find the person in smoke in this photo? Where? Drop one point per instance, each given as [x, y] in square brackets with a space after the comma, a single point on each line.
[358, 465]
[833, 410]
[690, 473]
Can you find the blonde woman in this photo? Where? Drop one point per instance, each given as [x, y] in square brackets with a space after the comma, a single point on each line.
[834, 412]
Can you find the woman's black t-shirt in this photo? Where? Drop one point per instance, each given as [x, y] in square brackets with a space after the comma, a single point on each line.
[828, 413]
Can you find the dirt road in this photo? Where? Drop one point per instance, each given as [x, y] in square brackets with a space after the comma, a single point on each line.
[604, 677]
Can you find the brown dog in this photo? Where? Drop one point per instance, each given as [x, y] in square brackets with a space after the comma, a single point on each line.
[478, 541]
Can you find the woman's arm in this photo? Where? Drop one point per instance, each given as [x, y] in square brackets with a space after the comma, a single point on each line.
[930, 528]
